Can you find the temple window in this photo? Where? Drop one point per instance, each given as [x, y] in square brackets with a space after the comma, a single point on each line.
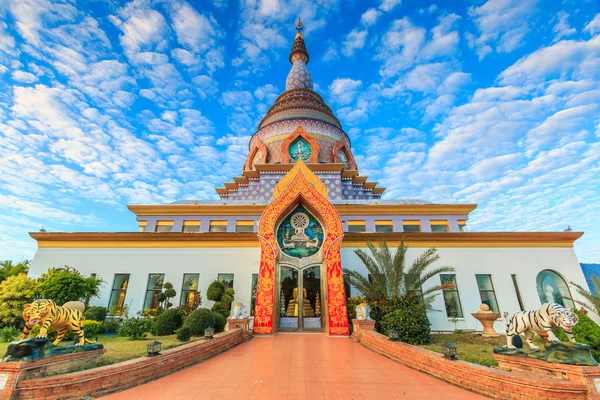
[218, 226]
[552, 288]
[462, 225]
[357, 226]
[117, 294]
[142, 226]
[411, 226]
[343, 157]
[191, 226]
[244, 226]
[164, 226]
[189, 289]
[413, 290]
[300, 149]
[384, 226]
[253, 291]
[227, 280]
[451, 296]
[155, 286]
[255, 159]
[439, 226]
[486, 292]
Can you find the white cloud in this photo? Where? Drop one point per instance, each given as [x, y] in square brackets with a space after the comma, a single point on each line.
[344, 90]
[444, 41]
[389, 5]
[502, 24]
[593, 27]
[400, 46]
[353, 41]
[562, 28]
[369, 17]
[25, 77]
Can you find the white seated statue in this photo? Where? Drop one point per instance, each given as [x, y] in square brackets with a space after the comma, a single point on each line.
[239, 311]
[363, 311]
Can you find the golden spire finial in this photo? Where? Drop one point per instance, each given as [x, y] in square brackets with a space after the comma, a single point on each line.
[299, 27]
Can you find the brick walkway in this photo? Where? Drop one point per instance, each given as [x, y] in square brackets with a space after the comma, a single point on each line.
[297, 367]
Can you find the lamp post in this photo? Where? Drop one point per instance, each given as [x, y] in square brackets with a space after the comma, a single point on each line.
[393, 335]
[209, 332]
[449, 351]
[153, 348]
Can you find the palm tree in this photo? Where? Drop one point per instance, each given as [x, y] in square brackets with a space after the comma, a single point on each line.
[593, 301]
[388, 278]
[8, 269]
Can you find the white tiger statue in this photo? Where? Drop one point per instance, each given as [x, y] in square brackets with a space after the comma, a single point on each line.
[239, 311]
[363, 311]
[542, 320]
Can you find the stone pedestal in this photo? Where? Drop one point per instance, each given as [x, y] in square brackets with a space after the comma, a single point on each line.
[360, 326]
[487, 319]
[243, 324]
[540, 369]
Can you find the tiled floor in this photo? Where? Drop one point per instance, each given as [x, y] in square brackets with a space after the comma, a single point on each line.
[297, 367]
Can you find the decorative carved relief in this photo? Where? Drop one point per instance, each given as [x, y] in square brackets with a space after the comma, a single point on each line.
[300, 133]
[342, 145]
[257, 155]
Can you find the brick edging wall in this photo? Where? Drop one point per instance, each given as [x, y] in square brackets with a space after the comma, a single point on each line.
[111, 378]
[483, 380]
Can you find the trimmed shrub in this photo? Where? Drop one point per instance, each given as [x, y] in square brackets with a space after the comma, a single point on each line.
[92, 328]
[9, 333]
[199, 320]
[215, 290]
[51, 333]
[409, 318]
[184, 333]
[168, 322]
[135, 328]
[95, 313]
[220, 309]
[220, 322]
[15, 292]
[111, 325]
[228, 296]
[586, 331]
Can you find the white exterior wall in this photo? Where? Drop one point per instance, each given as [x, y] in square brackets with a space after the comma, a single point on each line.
[526, 263]
[139, 262]
[500, 263]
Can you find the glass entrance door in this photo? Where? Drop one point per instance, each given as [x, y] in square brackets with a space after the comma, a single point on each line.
[300, 302]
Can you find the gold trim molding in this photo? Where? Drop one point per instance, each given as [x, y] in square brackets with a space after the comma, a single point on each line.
[232, 239]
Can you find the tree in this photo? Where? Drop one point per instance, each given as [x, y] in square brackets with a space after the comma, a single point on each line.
[15, 291]
[389, 283]
[593, 300]
[8, 269]
[164, 296]
[67, 284]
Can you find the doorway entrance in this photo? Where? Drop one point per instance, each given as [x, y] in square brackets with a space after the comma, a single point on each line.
[300, 299]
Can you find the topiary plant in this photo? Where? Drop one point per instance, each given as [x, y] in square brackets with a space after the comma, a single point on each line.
[184, 333]
[586, 331]
[199, 320]
[168, 322]
[220, 322]
[409, 317]
[215, 290]
[221, 309]
[95, 313]
[228, 296]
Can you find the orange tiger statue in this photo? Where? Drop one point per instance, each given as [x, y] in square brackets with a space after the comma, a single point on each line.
[47, 314]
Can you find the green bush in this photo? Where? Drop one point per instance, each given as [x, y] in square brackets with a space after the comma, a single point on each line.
[9, 333]
[51, 333]
[111, 325]
[199, 320]
[15, 291]
[220, 322]
[228, 296]
[409, 317]
[92, 328]
[184, 333]
[221, 309]
[168, 322]
[95, 313]
[67, 284]
[135, 328]
[215, 291]
[586, 331]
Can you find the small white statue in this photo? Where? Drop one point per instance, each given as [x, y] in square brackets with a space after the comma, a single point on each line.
[363, 311]
[239, 311]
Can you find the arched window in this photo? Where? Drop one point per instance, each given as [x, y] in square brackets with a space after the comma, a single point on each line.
[552, 288]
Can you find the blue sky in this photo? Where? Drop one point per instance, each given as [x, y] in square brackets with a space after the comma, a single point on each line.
[106, 103]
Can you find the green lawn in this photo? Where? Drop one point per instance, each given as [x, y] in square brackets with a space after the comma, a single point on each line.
[120, 348]
[471, 347]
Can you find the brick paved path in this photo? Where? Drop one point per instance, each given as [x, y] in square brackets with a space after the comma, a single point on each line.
[297, 367]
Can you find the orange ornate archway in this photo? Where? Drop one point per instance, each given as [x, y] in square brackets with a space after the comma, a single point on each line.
[258, 147]
[301, 185]
[343, 146]
[300, 132]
